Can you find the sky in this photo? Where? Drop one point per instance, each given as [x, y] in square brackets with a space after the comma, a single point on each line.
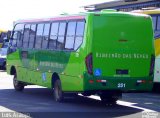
[12, 10]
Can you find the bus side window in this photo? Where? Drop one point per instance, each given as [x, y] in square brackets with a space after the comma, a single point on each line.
[39, 36]
[61, 36]
[157, 32]
[32, 36]
[26, 35]
[45, 36]
[154, 19]
[18, 35]
[79, 34]
[53, 35]
[71, 30]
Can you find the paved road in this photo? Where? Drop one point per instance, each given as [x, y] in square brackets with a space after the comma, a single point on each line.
[37, 101]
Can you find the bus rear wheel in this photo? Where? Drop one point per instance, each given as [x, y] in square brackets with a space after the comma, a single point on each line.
[108, 100]
[110, 97]
[58, 93]
[18, 86]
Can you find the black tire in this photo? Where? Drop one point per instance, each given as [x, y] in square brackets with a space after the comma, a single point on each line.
[86, 94]
[18, 86]
[110, 97]
[108, 100]
[58, 93]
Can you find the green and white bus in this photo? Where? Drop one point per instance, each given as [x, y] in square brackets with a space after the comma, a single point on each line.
[102, 53]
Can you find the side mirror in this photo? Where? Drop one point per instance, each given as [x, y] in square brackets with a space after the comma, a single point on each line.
[10, 47]
[9, 34]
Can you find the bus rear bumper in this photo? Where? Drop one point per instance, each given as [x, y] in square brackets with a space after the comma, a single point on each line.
[124, 84]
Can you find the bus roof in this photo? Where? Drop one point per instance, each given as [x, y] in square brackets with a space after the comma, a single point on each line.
[75, 17]
[62, 17]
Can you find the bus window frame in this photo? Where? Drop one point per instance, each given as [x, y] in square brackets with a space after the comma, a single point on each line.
[48, 35]
[28, 36]
[35, 35]
[155, 15]
[56, 35]
[74, 34]
[156, 29]
[83, 34]
[36, 23]
[50, 22]
[63, 21]
[14, 33]
[75, 20]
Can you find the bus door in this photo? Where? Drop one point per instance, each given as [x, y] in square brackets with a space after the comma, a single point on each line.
[28, 52]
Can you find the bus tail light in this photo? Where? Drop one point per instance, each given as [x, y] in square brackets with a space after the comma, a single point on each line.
[152, 65]
[98, 80]
[91, 81]
[89, 63]
[101, 81]
[141, 81]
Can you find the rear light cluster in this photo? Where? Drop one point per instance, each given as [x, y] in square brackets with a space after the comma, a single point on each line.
[89, 63]
[141, 81]
[98, 81]
[152, 65]
[144, 81]
[91, 81]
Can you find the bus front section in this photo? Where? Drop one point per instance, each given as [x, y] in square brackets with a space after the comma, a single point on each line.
[121, 57]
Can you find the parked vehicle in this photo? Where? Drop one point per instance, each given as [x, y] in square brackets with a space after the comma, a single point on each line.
[104, 53]
[3, 55]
